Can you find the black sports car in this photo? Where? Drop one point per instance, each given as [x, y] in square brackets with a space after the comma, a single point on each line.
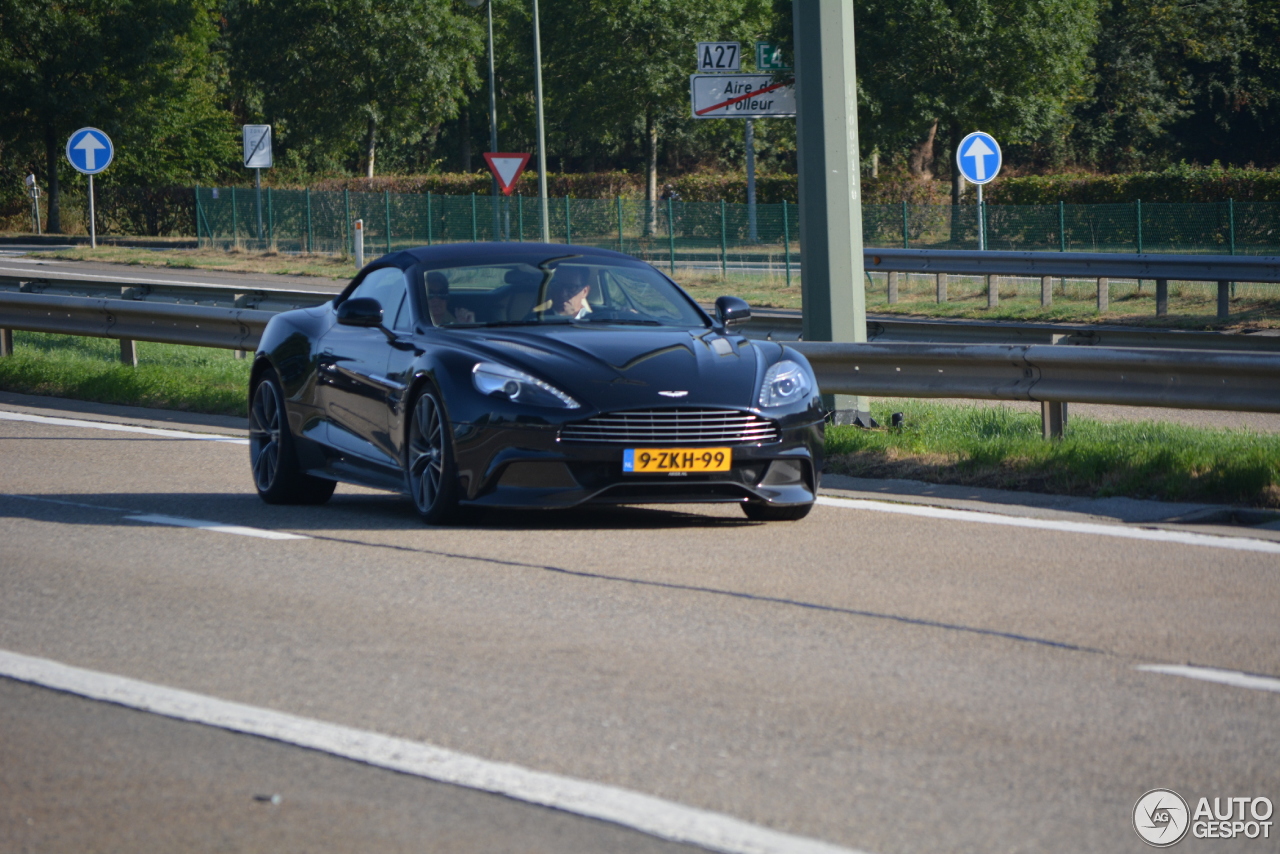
[530, 375]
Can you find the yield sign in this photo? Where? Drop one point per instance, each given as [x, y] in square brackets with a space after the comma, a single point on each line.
[506, 168]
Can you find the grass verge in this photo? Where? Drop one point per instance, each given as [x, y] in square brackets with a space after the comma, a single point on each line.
[993, 446]
[190, 379]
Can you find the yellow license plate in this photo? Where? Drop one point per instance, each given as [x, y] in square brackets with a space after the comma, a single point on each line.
[657, 460]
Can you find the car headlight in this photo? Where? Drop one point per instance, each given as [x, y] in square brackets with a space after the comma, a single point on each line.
[785, 383]
[519, 387]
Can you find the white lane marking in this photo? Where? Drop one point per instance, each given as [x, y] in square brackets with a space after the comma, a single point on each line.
[1153, 534]
[218, 527]
[1212, 674]
[648, 814]
[120, 428]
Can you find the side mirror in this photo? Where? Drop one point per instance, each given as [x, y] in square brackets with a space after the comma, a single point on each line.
[361, 311]
[731, 311]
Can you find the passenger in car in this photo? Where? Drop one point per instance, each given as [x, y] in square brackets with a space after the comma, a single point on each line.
[438, 302]
[569, 291]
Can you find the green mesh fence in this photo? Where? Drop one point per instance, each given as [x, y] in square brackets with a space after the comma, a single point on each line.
[714, 235]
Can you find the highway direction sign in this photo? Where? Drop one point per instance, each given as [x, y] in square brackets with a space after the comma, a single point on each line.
[719, 56]
[769, 57]
[90, 151]
[257, 147]
[506, 167]
[978, 156]
[741, 96]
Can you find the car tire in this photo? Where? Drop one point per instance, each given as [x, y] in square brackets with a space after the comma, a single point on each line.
[758, 511]
[430, 466]
[272, 455]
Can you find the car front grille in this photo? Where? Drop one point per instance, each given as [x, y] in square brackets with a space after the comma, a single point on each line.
[673, 427]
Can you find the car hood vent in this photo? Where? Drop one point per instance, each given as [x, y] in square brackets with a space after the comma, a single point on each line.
[673, 427]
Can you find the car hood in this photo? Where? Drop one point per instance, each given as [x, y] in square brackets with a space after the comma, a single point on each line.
[608, 368]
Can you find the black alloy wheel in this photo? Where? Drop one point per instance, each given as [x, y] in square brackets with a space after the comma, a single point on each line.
[758, 511]
[433, 480]
[276, 472]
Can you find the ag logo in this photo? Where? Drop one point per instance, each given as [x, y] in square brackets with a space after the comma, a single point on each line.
[1161, 817]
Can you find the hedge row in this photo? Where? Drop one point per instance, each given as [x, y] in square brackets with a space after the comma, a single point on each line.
[1177, 184]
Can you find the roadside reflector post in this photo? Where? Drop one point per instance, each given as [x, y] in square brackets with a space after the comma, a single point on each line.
[1162, 297]
[832, 285]
[942, 287]
[1104, 294]
[129, 352]
[893, 287]
[359, 241]
[993, 292]
[1046, 291]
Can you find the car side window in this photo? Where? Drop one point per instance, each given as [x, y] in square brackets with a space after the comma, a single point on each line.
[390, 288]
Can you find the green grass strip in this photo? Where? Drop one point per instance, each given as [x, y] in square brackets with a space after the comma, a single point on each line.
[996, 446]
[191, 379]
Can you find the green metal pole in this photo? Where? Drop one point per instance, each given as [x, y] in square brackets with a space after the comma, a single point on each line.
[310, 242]
[235, 220]
[1062, 226]
[671, 235]
[520, 215]
[346, 224]
[386, 197]
[619, 223]
[568, 228]
[475, 232]
[904, 225]
[1137, 210]
[429, 223]
[834, 293]
[724, 242]
[271, 217]
[786, 240]
[197, 196]
[1231, 225]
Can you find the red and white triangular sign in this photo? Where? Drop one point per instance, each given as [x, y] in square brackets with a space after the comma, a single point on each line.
[506, 168]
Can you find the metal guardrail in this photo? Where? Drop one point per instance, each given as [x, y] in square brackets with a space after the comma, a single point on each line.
[1243, 382]
[228, 296]
[1084, 265]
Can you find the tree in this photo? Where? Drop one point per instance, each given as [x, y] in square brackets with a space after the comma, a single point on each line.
[1009, 67]
[139, 69]
[613, 68]
[327, 72]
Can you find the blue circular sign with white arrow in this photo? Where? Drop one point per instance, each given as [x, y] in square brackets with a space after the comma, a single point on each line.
[978, 157]
[90, 151]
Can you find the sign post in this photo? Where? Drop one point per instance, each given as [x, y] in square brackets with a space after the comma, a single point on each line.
[978, 157]
[89, 151]
[258, 156]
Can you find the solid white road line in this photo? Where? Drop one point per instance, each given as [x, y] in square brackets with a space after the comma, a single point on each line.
[654, 816]
[1211, 674]
[217, 527]
[1153, 534]
[120, 428]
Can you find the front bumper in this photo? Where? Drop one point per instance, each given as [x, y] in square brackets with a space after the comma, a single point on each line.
[520, 466]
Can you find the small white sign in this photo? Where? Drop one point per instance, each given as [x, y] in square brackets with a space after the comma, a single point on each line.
[719, 56]
[257, 147]
[741, 96]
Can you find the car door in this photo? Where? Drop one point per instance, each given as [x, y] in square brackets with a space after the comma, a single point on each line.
[352, 371]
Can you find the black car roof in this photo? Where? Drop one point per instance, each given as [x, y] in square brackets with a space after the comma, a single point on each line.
[451, 254]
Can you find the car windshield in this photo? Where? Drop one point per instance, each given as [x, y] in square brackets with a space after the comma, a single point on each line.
[569, 290]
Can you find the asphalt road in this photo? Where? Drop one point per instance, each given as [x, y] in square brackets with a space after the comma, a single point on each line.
[867, 677]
